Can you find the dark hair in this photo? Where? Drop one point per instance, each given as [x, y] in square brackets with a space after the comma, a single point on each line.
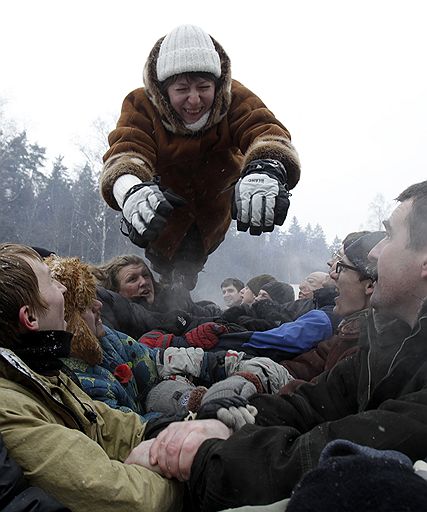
[190, 75]
[232, 281]
[417, 217]
[19, 288]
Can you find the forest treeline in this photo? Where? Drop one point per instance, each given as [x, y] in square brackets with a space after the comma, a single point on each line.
[46, 204]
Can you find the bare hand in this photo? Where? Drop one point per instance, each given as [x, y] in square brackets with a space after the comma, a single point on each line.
[174, 449]
[139, 455]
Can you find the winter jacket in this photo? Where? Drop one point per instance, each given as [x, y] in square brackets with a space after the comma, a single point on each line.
[15, 493]
[326, 354]
[376, 398]
[151, 140]
[73, 447]
[285, 341]
[124, 377]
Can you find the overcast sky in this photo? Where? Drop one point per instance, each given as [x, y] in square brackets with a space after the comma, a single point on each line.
[347, 78]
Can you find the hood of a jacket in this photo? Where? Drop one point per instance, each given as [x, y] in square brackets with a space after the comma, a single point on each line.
[170, 119]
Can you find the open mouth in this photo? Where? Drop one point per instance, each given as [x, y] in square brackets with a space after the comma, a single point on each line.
[193, 112]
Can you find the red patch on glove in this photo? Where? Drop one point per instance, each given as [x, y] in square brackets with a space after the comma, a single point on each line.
[205, 335]
[123, 373]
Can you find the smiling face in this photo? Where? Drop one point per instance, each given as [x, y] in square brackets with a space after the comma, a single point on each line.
[52, 293]
[231, 296]
[136, 281]
[401, 286]
[191, 97]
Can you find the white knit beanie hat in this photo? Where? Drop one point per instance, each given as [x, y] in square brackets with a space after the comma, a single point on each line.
[187, 48]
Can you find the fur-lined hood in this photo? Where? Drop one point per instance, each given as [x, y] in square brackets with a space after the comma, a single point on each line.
[80, 295]
[169, 117]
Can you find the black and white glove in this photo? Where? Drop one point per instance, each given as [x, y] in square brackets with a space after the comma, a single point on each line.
[261, 197]
[145, 209]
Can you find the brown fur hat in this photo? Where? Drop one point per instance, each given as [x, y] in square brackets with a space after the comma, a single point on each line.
[81, 292]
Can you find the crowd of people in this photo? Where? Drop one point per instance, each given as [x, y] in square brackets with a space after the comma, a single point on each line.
[120, 392]
[98, 419]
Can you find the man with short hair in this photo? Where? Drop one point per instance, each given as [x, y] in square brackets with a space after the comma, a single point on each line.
[376, 398]
[230, 288]
[69, 445]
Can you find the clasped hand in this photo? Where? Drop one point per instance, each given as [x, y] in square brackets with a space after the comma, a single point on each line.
[172, 452]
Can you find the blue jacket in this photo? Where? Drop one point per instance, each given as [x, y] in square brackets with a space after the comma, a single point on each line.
[294, 337]
[123, 388]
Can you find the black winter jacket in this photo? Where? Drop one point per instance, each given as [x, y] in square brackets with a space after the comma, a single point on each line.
[377, 397]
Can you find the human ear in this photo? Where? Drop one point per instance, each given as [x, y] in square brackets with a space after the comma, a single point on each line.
[424, 266]
[27, 320]
[369, 287]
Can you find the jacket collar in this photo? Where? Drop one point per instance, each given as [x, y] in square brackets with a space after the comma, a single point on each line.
[42, 350]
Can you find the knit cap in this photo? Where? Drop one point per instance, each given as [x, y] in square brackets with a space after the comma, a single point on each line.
[357, 252]
[187, 48]
[256, 283]
[81, 292]
[174, 396]
[352, 478]
[279, 292]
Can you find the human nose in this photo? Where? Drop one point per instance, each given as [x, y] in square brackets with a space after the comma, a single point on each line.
[141, 281]
[193, 97]
[375, 251]
[333, 274]
[97, 305]
[61, 287]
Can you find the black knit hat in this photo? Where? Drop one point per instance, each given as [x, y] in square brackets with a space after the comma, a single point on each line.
[279, 292]
[352, 478]
[357, 252]
[256, 283]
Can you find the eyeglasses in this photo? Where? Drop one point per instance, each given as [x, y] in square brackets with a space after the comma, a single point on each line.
[340, 265]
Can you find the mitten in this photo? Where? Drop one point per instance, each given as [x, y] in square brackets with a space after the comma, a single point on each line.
[227, 401]
[205, 335]
[261, 197]
[233, 386]
[179, 361]
[232, 314]
[272, 375]
[145, 209]
[157, 339]
[325, 296]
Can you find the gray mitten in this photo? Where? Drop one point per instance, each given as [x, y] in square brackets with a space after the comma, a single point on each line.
[229, 388]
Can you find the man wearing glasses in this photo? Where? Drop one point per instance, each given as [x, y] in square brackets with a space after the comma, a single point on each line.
[351, 273]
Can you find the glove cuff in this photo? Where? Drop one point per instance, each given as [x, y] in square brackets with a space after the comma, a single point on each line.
[195, 399]
[273, 168]
[251, 377]
[135, 188]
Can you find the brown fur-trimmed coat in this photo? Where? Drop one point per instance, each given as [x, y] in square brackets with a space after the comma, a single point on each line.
[150, 139]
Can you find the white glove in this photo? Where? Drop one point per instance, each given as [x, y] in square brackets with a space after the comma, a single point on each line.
[145, 209]
[261, 197]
